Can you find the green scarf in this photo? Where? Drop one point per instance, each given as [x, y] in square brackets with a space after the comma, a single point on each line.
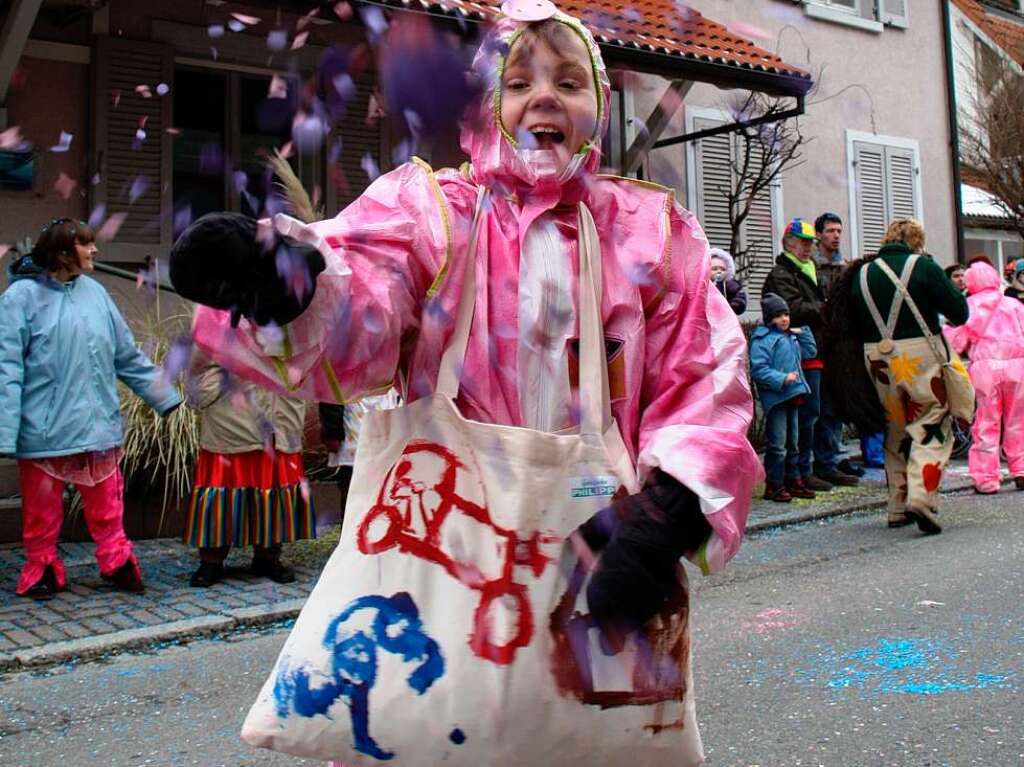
[807, 267]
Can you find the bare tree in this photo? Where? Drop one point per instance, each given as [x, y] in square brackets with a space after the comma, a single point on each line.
[767, 146]
[992, 136]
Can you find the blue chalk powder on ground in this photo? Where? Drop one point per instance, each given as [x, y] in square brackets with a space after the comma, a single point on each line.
[457, 736]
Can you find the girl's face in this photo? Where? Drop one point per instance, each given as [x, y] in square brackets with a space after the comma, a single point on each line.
[781, 322]
[718, 270]
[548, 97]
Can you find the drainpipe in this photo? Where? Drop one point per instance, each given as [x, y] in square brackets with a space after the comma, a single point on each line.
[954, 134]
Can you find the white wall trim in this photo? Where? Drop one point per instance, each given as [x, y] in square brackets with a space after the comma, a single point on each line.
[851, 175]
[837, 16]
[51, 51]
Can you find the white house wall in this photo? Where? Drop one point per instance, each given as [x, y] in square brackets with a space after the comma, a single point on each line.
[903, 74]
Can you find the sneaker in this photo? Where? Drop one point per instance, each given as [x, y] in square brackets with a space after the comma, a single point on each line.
[926, 519]
[128, 577]
[846, 466]
[798, 489]
[206, 575]
[45, 588]
[777, 494]
[273, 569]
[1018, 483]
[817, 484]
[840, 478]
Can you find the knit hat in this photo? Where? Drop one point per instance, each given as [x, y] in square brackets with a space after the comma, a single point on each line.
[772, 305]
[1018, 267]
[800, 228]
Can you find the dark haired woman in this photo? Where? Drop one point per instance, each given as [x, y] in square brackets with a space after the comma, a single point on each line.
[63, 346]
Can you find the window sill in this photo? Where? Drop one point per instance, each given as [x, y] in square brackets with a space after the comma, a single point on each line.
[825, 13]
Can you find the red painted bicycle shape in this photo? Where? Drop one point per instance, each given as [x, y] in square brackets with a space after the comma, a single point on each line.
[410, 514]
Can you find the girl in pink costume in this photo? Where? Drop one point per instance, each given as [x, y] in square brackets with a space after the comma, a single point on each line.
[388, 271]
[993, 337]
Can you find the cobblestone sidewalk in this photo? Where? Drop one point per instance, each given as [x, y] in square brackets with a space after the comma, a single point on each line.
[91, 617]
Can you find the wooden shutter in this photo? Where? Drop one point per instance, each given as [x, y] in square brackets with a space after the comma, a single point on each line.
[894, 12]
[714, 179]
[900, 175]
[125, 166]
[357, 140]
[869, 178]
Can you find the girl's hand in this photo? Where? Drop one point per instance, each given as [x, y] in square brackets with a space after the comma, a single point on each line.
[792, 377]
[796, 331]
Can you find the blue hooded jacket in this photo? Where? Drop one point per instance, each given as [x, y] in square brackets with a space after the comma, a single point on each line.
[773, 354]
[63, 345]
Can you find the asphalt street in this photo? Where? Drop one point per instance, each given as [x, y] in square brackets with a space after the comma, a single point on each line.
[838, 643]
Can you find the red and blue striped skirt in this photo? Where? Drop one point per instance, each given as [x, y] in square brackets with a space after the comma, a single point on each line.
[256, 498]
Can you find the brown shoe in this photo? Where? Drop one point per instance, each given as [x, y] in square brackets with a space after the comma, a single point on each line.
[817, 484]
[926, 519]
[777, 494]
[1019, 482]
[899, 520]
[839, 478]
[798, 489]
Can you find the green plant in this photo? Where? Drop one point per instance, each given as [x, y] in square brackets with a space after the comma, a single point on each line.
[159, 452]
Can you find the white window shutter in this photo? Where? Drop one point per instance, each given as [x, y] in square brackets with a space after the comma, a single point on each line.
[869, 178]
[895, 13]
[133, 170]
[714, 180]
[900, 175]
[759, 238]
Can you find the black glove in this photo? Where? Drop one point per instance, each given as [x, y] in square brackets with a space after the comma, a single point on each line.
[218, 261]
[641, 539]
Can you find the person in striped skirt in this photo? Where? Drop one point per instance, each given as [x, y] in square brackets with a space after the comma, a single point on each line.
[249, 486]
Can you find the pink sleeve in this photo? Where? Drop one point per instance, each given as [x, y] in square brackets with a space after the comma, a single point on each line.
[383, 253]
[696, 404]
[958, 337]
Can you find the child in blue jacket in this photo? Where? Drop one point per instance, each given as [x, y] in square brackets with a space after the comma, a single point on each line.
[775, 355]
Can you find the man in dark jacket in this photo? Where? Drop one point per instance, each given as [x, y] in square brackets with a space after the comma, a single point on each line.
[795, 278]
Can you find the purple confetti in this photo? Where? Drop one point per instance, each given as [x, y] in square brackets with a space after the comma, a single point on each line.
[334, 154]
[97, 215]
[241, 180]
[215, 31]
[162, 89]
[344, 86]
[64, 144]
[369, 166]
[235, 25]
[308, 132]
[374, 20]
[139, 187]
[182, 219]
[277, 40]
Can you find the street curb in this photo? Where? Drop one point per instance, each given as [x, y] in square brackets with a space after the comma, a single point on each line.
[88, 648]
[856, 508]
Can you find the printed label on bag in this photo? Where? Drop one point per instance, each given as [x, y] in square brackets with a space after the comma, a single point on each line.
[594, 486]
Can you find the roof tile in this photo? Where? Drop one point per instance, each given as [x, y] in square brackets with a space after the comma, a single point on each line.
[1007, 34]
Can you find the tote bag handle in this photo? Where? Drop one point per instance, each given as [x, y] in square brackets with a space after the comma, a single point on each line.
[595, 404]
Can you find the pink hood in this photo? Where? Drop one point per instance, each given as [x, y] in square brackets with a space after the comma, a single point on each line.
[497, 159]
[995, 328]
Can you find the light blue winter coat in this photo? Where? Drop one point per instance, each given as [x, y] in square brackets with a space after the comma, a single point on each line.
[63, 345]
[773, 354]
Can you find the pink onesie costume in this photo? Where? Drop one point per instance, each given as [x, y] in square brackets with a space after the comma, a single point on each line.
[993, 339]
[384, 308]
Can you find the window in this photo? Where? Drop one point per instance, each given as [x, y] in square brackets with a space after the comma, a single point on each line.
[885, 184]
[1001, 246]
[871, 15]
[710, 176]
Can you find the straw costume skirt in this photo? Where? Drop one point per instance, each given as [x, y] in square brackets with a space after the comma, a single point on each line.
[918, 439]
[255, 498]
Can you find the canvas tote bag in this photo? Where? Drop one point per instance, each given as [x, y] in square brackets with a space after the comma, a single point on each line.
[450, 625]
[960, 394]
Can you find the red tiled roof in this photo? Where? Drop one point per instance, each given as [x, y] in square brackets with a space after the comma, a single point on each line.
[660, 27]
[1007, 34]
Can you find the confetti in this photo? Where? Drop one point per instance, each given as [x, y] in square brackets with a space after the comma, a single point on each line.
[12, 140]
[110, 227]
[299, 41]
[369, 166]
[278, 88]
[215, 31]
[162, 89]
[97, 215]
[64, 185]
[277, 40]
[64, 144]
[236, 26]
[139, 187]
[245, 19]
[144, 91]
[343, 11]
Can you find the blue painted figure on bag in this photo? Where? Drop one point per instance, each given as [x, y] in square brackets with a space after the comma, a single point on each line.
[776, 351]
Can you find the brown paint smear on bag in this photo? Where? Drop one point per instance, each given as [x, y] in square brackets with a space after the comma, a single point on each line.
[662, 656]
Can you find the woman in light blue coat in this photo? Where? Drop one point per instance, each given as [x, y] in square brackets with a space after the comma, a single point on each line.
[63, 346]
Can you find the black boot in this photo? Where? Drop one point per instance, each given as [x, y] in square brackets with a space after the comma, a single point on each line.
[128, 577]
[268, 567]
[208, 574]
[45, 588]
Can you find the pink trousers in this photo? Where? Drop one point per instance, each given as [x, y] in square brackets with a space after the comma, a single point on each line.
[1000, 411]
[42, 513]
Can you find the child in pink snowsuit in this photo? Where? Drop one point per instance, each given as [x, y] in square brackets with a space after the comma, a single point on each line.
[993, 337]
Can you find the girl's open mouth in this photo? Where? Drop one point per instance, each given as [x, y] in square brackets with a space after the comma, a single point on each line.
[547, 138]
